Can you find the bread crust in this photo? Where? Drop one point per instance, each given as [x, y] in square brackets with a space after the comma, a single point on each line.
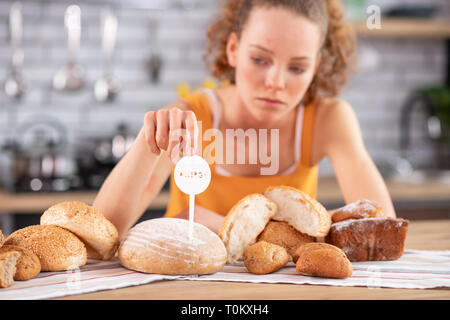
[314, 208]
[8, 261]
[283, 234]
[360, 209]
[57, 248]
[27, 266]
[163, 246]
[370, 239]
[322, 260]
[2, 238]
[232, 219]
[89, 224]
[263, 257]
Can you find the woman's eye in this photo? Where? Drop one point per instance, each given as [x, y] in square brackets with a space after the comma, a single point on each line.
[297, 69]
[258, 61]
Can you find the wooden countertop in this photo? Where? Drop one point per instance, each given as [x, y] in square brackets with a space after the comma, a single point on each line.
[422, 235]
[328, 192]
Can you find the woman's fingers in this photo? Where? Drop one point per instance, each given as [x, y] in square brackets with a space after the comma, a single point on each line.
[191, 132]
[162, 129]
[150, 131]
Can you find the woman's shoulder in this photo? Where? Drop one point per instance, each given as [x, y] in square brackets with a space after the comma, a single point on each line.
[332, 112]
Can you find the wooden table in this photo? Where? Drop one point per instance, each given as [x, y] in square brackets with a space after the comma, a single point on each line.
[424, 235]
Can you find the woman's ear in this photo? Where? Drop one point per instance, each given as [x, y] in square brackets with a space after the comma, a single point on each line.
[232, 48]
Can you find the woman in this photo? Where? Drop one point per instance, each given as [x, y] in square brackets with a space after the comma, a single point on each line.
[285, 61]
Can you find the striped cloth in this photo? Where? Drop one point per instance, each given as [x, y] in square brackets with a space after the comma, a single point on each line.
[416, 269]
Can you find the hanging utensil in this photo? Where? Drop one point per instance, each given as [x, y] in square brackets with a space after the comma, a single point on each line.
[154, 63]
[71, 77]
[107, 87]
[14, 85]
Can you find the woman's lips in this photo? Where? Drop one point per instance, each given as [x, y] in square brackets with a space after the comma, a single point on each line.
[270, 102]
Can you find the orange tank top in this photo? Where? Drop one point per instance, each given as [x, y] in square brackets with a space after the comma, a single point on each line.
[225, 190]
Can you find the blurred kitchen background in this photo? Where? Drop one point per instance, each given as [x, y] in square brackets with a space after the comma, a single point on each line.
[77, 78]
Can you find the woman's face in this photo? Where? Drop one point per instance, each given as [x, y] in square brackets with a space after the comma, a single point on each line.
[275, 60]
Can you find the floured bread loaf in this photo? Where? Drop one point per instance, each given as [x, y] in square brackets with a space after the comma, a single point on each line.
[263, 257]
[98, 234]
[163, 246]
[370, 239]
[28, 265]
[57, 249]
[283, 234]
[357, 210]
[8, 261]
[301, 211]
[244, 222]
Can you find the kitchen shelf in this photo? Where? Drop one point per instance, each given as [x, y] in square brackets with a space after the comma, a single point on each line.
[405, 27]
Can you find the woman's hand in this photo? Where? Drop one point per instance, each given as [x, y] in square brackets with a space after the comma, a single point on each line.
[204, 216]
[164, 129]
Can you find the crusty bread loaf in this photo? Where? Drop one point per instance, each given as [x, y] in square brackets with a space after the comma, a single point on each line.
[263, 257]
[98, 234]
[283, 234]
[2, 238]
[27, 266]
[357, 210]
[370, 239]
[164, 246]
[8, 262]
[301, 211]
[244, 222]
[57, 249]
[322, 260]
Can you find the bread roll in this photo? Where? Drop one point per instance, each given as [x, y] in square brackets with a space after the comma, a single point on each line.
[244, 222]
[8, 262]
[322, 260]
[164, 246]
[27, 266]
[370, 239]
[283, 234]
[98, 234]
[264, 257]
[57, 249]
[299, 210]
[357, 210]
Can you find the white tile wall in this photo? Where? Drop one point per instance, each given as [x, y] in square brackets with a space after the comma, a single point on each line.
[393, 68]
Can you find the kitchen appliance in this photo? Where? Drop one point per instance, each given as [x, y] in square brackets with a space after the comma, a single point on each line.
[40, 159]
[14, 85]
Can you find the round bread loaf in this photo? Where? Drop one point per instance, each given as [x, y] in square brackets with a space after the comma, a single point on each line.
[283, 234]
[28, 265]
[164, 246]
[320, 259]
[57, 249]
[264, 257]
[301, 211]
[98, 234]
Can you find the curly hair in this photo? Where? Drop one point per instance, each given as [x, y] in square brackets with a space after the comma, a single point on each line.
[338, 40]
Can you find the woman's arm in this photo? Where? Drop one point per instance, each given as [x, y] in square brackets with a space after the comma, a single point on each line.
[341, 141]
[204, 216]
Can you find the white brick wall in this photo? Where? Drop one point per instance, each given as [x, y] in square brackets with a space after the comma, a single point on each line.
[376, 93]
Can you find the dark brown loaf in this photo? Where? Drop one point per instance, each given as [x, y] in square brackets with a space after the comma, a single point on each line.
[357, 210]
[8, 262]
[264, 257]
[57, 249]
[322, 260]
[28, 265]
[370, 239]
[283, 234]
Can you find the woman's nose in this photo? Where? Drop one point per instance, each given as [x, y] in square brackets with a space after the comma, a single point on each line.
[275, 79]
